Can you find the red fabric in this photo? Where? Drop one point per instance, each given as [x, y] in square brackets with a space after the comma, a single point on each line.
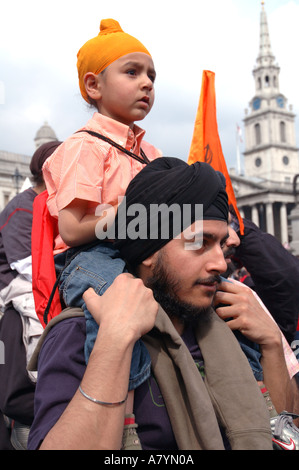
[44, 231]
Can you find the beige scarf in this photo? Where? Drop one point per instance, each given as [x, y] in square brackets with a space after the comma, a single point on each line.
[229, 394]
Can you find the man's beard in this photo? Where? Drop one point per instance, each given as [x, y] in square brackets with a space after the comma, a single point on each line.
[165, 287]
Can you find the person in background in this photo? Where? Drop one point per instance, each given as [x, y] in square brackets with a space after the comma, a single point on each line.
[19, 326]
[274, 273]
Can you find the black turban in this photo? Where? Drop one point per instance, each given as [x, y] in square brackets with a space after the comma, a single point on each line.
[169, 181]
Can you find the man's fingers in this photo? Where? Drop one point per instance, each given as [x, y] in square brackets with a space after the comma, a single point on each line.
[229, 286]
[89, 294]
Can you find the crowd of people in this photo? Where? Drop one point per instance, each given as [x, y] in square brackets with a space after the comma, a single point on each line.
[157, 346]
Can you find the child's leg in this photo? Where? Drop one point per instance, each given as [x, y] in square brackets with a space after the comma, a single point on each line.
[252, 352]
[97, 267]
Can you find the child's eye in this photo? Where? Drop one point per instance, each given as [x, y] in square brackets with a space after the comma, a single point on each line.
[131, 72]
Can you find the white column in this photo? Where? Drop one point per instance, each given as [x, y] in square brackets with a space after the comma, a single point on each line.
[255, 215]
[269, 218]
[284, 223]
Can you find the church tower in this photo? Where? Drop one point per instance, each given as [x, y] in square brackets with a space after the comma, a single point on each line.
[270, 144]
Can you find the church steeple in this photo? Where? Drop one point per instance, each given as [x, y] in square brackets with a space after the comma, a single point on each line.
[266, 72]
[265, 56]
[271, 151]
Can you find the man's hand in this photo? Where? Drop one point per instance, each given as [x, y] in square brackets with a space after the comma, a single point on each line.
[246, 314]
[126, 308]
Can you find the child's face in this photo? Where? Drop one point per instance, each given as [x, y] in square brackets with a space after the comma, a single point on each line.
[126, 88]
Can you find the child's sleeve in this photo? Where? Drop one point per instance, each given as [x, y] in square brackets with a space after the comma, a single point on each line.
[76, 172]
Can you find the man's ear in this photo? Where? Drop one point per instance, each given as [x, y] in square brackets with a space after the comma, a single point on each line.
[150, 261]
[92, 86]
[146, 267]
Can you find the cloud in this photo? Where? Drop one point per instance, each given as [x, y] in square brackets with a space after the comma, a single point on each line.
[38, 63]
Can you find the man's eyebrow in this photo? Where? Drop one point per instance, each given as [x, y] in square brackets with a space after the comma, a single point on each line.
[211, 236]
[206, 235]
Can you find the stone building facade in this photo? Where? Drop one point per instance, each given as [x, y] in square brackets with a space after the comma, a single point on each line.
[265, 192]
[14, 168]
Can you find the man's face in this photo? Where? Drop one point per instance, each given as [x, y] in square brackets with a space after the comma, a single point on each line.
[190, 276]
[232, 242]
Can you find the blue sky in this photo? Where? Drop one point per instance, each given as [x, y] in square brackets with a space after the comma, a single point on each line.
[38, 78]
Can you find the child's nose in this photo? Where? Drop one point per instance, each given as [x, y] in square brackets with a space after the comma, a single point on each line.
[147, 82]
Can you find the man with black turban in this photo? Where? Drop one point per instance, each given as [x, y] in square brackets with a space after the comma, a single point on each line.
[169, 181]
[201, 393]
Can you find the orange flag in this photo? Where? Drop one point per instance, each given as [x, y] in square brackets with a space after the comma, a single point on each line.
[206, 145]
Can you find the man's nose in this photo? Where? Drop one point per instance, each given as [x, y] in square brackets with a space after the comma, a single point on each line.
[217, 264]
[233, 240]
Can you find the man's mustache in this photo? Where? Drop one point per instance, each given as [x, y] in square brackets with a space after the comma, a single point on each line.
[209, 280]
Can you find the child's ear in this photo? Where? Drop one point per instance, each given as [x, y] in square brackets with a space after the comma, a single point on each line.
[92, 86]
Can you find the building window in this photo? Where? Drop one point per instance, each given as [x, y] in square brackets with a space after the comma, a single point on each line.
[259, 83]
[257, 131]
[267, 81]
[285, 160]
[258, 162]
[282, 131]
[6, 199]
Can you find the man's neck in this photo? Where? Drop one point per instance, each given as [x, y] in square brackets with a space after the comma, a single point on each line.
[179, 326]
[39, 188]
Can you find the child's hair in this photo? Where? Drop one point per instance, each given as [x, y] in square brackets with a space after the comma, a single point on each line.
[109, 45]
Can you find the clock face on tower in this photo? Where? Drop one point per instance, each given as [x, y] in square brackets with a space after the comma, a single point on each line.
[256, 103]
[280, 101]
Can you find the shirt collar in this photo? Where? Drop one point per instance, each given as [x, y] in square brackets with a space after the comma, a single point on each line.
[120, 133]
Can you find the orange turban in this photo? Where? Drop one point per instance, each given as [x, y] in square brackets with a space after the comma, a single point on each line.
[110, 44]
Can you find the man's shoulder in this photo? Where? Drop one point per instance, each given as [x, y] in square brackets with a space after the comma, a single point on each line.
[66, 328]
[22, 201]
[65, 337]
